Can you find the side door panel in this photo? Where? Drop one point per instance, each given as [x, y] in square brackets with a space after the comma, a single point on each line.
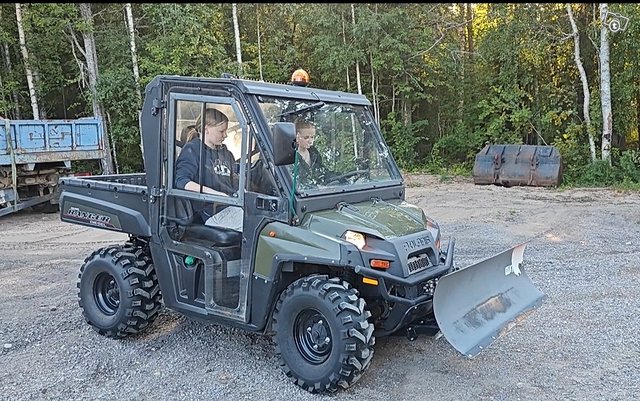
[208, 273]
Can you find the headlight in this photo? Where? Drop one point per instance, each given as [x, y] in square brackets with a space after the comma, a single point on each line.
[355, 238]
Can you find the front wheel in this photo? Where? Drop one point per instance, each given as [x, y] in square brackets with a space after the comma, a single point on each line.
[118, 291]
[322, 335]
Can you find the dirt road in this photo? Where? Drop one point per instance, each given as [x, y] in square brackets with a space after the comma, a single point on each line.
[583, 343]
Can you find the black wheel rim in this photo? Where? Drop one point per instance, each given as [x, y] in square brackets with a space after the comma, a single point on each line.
[312, 335]
[106, 293]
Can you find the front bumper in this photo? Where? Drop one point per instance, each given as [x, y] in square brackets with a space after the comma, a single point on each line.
[407, 309]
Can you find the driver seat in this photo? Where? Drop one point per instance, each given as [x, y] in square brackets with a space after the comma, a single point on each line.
[183, 226]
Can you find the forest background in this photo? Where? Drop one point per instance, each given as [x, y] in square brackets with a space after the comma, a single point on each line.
[444, 79]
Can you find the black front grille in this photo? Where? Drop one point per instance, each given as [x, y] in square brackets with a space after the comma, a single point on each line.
[418, 262]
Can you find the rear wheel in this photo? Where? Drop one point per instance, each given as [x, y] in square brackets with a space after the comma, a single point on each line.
[118, 291]
[323, 338]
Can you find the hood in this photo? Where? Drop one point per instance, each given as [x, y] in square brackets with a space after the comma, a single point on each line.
[376, 217]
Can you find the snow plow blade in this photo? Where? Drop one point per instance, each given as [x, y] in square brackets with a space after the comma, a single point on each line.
[476, 305]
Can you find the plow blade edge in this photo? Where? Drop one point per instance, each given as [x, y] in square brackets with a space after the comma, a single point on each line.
[476, 305]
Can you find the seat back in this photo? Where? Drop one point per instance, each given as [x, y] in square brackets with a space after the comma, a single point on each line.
[183, 224]
[180, 215]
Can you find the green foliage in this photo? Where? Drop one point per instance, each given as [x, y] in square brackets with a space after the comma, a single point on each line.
[504, 115]
[118, 96]
[599, 174]
[183, 40]
[458, 148]
[444, 86]
[629, 163]
[403, 140]
[575, 156]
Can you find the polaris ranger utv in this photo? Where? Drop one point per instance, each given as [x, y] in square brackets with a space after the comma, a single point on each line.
[324, 266]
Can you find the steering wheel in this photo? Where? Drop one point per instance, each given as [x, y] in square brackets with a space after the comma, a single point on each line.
[342, 178]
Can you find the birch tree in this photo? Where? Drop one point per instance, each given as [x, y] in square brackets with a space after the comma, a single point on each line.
[585, 83]
[236, 31]
[258, 36]
[134, 53]
[134, 63]
[605, 85]
[344, 42]
[91, 67]
[353, 21]
[27, 65]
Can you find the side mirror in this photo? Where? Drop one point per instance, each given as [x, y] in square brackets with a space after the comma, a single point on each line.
[284, 143]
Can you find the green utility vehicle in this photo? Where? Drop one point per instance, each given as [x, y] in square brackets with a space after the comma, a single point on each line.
[324, 263]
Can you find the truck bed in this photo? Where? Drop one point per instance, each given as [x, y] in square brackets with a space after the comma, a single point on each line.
[116, 202]
[35, 153]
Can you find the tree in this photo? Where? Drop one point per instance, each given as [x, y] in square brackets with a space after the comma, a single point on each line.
[31, 76]
[605, 85]
[13, 95]
[91, 67]
[134, 63]
[236, 31]
[353, 21]
[258, 37]
[585, 83]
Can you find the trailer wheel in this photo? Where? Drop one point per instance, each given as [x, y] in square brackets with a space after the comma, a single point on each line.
[322, 335]
[118, 291]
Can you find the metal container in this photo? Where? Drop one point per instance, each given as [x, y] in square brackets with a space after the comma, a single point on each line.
[511, 165]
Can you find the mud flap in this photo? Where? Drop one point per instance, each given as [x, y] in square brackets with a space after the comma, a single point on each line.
[476, 305]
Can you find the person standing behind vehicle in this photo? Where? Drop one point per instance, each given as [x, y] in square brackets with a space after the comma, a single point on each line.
[218, 175]
[311, 169]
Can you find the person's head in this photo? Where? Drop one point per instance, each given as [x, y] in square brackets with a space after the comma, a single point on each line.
[305, 133]
[215, 127]
[188, 133]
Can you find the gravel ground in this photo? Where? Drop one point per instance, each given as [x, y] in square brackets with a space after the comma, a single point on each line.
[582, 343]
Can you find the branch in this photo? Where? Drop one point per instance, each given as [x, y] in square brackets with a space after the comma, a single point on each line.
[73, 41]
[441, 38]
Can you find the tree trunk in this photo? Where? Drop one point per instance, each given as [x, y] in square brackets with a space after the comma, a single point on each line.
[374, 97]
[134, 63]
[14, 94]
[27, 65]
[236, 31]
[353, 21]
[406, 106]
[91, 60]
[259, 49]
[638, 118]
[134, 53]
[585, 83]
[469, 26]
[344, 41]
[605, 86]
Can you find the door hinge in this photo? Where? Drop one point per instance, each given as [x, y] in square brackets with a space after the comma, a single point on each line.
[157, 105]
[156, 193]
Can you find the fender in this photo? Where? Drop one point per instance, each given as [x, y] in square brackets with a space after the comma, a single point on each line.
[265, 289]
[92, 212]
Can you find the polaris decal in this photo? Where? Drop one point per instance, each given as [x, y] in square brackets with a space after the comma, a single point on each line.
[416, 243]
[93, 218]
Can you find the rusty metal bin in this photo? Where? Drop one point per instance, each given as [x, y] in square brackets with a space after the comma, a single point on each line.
[511, 165]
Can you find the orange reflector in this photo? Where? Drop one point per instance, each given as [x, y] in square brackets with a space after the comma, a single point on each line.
[368, 280]
[380, 264]
[272, 233]
[438, 244]
[300, 77]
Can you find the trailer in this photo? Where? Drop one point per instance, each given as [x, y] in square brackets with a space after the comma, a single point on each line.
[34, 154]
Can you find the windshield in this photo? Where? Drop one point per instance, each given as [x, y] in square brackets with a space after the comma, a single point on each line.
[339, 146]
